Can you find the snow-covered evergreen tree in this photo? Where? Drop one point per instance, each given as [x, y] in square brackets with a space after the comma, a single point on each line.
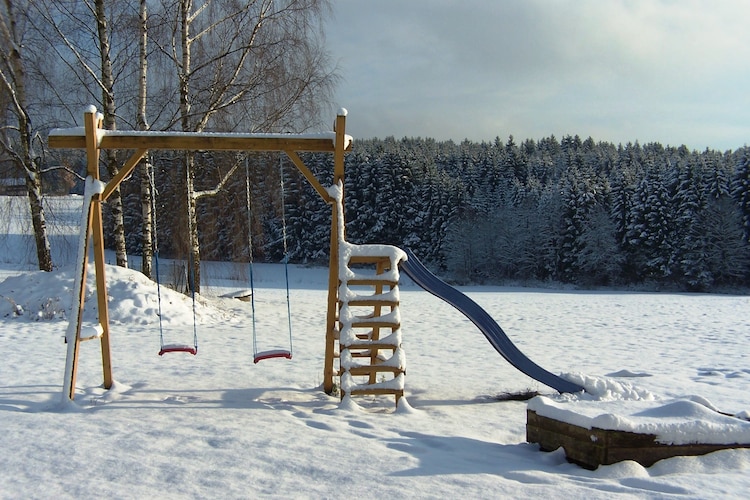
[689, 244]
[741, 189]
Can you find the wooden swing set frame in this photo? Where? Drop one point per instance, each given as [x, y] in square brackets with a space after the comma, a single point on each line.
[94, 139]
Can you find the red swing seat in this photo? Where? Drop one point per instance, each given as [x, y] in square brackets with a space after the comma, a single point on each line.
[276, 353]
[178, 348]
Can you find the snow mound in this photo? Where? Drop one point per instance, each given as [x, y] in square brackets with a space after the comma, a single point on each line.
[608, 389]
[132, 299]
[404, 407]
[348, 404]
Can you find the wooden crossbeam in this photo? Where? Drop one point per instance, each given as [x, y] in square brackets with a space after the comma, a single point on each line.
[197, 141]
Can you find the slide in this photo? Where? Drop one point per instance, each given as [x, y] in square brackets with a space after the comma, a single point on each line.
[488, 326]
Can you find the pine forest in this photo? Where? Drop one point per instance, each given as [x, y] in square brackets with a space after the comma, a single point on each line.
[567, 211]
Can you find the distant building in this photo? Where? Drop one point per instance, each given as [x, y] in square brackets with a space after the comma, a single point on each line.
[12, 186]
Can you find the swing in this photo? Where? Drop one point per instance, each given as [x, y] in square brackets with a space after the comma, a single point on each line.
[273, 353]
[166, 348]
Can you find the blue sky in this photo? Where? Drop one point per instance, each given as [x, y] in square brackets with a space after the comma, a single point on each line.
[669, 71]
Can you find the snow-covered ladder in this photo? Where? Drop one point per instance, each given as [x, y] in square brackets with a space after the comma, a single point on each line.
[371, 359]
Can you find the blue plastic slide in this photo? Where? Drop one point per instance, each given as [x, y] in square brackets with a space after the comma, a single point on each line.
[488, 326]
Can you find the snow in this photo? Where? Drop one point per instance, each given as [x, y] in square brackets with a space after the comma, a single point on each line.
[217, 425]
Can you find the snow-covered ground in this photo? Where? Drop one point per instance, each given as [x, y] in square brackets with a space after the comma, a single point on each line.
[216, 425]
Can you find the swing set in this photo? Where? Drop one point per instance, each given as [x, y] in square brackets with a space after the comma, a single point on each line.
[190, 275]
[94, 139]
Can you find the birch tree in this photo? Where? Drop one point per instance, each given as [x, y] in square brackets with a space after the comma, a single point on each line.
[258, 65]
[18, 135]
[109, 109]
[142, 124]
[81, 35]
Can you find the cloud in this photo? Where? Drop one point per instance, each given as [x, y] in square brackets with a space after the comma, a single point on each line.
[649, 70]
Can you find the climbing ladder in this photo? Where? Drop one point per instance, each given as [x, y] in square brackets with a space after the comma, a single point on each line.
[371, 360]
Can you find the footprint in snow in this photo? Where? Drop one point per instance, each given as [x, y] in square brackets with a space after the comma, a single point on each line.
[319, 425]
[627, 373]
[180, 400]
[360, 424]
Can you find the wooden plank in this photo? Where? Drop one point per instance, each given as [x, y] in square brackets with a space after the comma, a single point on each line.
[101, 290]
[197, 141]
[74, 348]
[372, 281]
[332, 331]
[340, 146]
[372, 301]
[370, 259]
[125, 171]
[366, 353]
[359, 371]
[309, 176]
[375, 323]
[374, 346]
[398, 394]
[378, 391]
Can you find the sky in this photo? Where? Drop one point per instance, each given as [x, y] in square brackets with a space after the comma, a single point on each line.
[670, 71]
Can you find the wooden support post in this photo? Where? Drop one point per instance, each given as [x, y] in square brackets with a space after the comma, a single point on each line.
[92, 230]
[332, 314]
[101, 289]
[332, 326]
[71, 363]
[339, 147]
[92, 125]
[314, 182]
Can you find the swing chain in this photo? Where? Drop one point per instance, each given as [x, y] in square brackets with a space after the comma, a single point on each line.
[258, 356]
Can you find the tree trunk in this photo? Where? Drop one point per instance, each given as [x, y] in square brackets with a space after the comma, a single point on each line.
[109, 110]
[142, 124]
[43, 253]
[194, 262]
[147, 240]
[194, 249]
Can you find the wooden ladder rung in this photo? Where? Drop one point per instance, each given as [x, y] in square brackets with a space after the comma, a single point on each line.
[362, 354]
[375, 323]
[370, 346]
[358, 371]
[372, 281]
[378, 392]
[91, 332]
[373, 302]
[370, 259]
